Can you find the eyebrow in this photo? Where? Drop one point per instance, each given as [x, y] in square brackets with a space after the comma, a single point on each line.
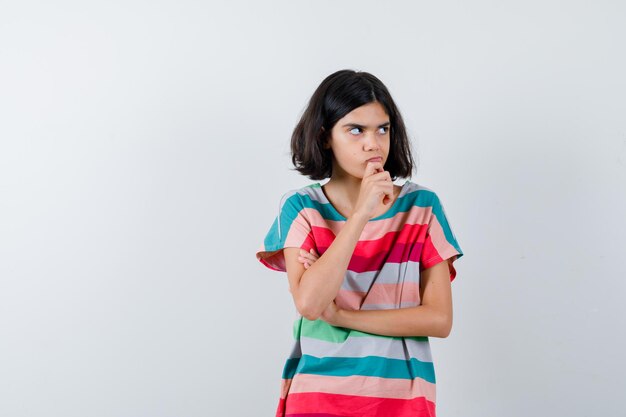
[362, 127]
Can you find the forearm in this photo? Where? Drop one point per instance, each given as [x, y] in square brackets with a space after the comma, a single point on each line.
[321, 282]
[411, 321]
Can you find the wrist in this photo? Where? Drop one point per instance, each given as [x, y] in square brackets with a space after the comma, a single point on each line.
[341, 318]
[358, 218]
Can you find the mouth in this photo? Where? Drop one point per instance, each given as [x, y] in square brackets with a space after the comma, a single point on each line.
[375, 159]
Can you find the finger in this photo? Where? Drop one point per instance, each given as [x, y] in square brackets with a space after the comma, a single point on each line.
[386, 191]
[373, 168]
[388, 198]
[381, 176]
[313, 259]
[311, 252]
[308, 257]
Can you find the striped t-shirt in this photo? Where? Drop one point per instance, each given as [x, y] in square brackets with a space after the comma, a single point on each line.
[335, 371]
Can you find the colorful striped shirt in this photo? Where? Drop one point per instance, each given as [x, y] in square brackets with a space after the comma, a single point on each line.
[335, 371]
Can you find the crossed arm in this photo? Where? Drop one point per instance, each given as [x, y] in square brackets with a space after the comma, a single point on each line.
[432, 318]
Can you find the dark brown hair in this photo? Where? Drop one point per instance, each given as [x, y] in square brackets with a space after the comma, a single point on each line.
[339, 94]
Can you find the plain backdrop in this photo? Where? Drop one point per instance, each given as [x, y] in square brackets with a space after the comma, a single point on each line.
[144, 148]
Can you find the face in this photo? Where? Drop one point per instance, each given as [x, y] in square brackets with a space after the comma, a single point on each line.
[358, 136]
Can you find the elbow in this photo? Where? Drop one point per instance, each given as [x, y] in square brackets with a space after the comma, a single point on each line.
[445, 332]
[310, 316]
[445, 326]
[305, 304]
[307, 310]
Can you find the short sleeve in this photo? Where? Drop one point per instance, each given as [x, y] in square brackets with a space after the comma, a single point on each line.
[291, 228]
[440, 243]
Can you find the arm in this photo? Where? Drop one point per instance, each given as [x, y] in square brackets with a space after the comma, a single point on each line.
[432, 318]
[314, 289]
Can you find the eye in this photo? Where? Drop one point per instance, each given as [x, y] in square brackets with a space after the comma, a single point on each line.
[355, 130]
[383, 130]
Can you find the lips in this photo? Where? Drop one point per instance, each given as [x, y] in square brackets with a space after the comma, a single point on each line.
[375, 159]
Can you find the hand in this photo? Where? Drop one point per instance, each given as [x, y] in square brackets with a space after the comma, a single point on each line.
[331, 314]
[376, 186]
[307, 258]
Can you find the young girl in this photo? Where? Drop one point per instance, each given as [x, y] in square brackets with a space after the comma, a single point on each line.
[369, 263]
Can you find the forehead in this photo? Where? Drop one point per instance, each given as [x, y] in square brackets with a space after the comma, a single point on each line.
[371, 113]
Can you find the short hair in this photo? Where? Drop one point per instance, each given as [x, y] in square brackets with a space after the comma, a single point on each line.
[337, 95]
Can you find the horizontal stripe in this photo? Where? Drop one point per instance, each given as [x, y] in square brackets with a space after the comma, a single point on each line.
[371, 255]
[359, 347]
[285, 385]
[289, 370]
[436, 248]
[368, 256]
[364, 386]
[319, 329]
[391, 273]
[367, 366]
[379, 294]
[351, 405]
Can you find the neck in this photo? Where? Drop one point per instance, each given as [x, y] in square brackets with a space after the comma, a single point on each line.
[344, 191]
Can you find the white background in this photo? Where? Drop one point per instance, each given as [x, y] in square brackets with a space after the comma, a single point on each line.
[144, 147]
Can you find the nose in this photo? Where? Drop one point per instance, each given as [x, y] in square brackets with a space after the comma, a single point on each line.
[371, 141]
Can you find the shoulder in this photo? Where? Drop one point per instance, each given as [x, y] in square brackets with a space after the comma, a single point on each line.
[296, 199]
[420, 195]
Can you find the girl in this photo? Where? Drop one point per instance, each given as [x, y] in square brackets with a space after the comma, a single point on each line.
[369, 263]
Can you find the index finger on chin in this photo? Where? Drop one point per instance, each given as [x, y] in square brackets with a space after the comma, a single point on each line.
[372, 168]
